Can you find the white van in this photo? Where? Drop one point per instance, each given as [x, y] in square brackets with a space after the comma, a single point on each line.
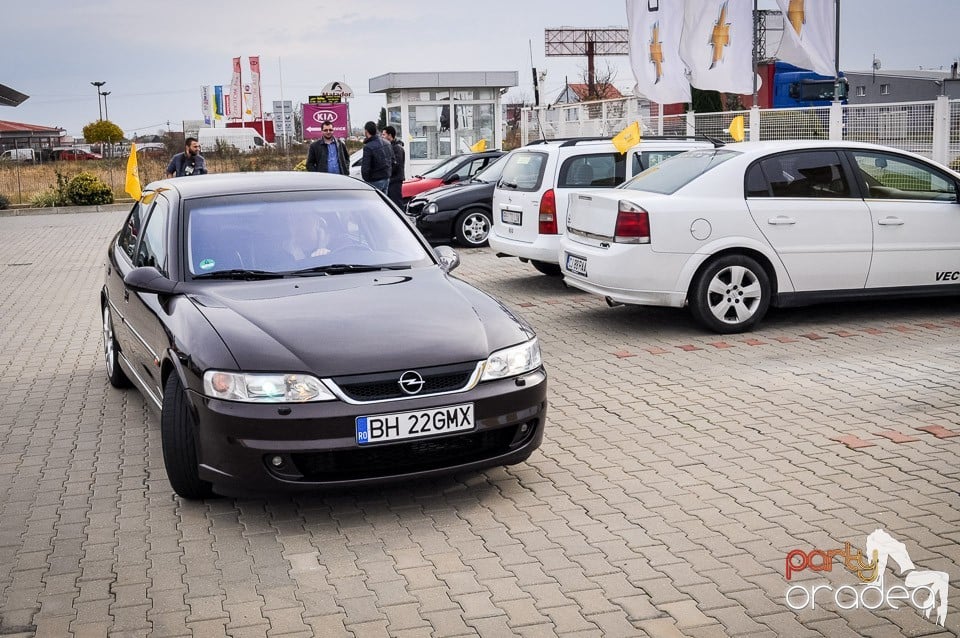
[242, 139]
[530, 200]
[18, 155]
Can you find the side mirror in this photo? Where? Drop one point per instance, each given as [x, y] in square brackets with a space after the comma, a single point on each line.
[149, 279]
[453, 178]
[449, 259]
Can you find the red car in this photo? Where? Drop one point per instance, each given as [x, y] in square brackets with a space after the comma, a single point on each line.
[454, 169]
[73, 154]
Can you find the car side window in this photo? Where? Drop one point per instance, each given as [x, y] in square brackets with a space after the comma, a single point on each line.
[593, 171]
[890, 176]
[756, 183]
[131, 229]
[152, 249]
[642, 160]
[809, 174]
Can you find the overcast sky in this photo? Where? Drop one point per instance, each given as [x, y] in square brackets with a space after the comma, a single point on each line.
[154, 57]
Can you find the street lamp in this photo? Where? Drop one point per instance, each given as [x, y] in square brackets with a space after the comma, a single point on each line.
[106, 111]
[99, 106]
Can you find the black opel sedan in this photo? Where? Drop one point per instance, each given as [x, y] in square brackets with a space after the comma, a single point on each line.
[460, 211]
[294, 332]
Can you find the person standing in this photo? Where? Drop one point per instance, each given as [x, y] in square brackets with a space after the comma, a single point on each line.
[377, 159]
[328, 154]
[395, 189]
[189, 162]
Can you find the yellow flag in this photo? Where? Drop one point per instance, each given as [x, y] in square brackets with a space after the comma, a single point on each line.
[736, 129]
[628, 137]
[133, 176]
[480, 146]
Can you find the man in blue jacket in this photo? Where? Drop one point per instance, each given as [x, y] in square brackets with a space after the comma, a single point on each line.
[375, 167]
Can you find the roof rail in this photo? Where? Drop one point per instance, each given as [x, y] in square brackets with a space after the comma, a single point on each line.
[573, 141]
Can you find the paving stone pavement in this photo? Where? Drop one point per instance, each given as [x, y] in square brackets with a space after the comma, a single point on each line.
[679, 469]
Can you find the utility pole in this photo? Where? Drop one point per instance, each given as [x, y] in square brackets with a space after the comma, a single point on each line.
[106, 111]
[99, 104]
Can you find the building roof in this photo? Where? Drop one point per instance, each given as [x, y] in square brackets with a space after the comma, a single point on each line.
[916, 74]
[443, 80]
[18, 127]
[609, 91]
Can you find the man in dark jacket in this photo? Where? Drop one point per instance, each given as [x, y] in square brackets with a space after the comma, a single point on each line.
[377, 160]
[395, 189]
[328, 154]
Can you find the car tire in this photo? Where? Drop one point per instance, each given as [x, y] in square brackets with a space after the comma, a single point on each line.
[178, 435]
[115, 373]
[473, 228]
[552, 270]
[730, 294]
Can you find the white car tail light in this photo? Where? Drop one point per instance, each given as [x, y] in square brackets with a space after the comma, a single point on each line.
[633, 224]
[548, 213]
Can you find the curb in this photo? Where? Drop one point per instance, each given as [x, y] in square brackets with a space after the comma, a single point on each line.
[66, 210]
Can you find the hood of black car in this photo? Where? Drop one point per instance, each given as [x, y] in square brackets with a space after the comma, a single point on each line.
[453, 194]
[357, 323]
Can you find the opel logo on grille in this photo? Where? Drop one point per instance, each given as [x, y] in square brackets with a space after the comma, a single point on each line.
[411, 382]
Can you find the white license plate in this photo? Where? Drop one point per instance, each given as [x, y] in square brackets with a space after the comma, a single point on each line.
[510, 217]
[577, 265]
[382, 428]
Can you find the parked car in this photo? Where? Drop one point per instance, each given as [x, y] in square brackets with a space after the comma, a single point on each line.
[295, 331]
[73, 154]
[456, 168]
[356, 159]
[530, 200]
[459, 211]
[18, 155]
[733, 230]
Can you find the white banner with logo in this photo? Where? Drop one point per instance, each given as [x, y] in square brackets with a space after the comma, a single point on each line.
[655, 27]
[717, 44]
[236, 110]
[809, 35]
[256, 106]
[206, 105]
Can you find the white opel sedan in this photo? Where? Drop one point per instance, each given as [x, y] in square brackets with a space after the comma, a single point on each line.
[731, 230]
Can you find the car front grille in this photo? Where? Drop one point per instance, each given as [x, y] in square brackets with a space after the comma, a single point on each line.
[386, 385]
[415, 456]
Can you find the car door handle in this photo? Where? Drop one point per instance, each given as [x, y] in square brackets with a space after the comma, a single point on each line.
[781, 221]
[890, 221]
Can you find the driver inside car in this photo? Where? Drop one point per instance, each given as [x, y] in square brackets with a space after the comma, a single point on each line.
[307, 237]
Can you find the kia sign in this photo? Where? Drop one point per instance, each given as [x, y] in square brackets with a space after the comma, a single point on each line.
[316, 115]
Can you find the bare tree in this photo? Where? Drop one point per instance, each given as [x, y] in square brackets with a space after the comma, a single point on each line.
[603, 77]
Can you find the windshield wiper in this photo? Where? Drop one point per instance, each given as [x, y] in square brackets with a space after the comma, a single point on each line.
[509, 184]
[240, 273]
[339, 269]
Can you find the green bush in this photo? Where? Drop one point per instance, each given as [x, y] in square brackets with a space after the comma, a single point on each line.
[86, 189]
[4, 202]
[53, 196]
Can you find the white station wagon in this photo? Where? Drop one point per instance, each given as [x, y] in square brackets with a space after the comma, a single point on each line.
[731, 230]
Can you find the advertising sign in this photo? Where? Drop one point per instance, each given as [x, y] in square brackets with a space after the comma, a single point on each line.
[314, 116]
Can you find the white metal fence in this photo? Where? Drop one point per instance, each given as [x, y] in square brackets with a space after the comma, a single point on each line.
[929, 128]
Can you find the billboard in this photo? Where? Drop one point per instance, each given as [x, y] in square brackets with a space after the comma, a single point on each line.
[314, 115]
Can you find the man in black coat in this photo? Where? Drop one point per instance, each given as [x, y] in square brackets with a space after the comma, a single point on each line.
[328, 154]
[395, 189]
[377, 162]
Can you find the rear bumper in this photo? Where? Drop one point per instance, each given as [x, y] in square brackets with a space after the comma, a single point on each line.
[317, 445]
[543, 248]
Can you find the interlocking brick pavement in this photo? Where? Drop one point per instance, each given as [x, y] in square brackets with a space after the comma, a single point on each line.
[678, 470]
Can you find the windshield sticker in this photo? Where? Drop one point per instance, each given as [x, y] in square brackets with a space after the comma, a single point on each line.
[523, 159]
[207, 264]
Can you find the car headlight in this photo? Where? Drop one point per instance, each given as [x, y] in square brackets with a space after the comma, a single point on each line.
[264, 388]
[431, 208]
[512, 361]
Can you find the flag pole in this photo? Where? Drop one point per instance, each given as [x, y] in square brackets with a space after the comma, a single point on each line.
[836, 55]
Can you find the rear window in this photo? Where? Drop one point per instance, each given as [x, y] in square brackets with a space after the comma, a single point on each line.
[523, 171]
[670, 176]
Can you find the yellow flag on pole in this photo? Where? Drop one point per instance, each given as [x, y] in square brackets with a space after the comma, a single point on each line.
[132, 186]
[736, 129]
[480, 146]
[628, 137]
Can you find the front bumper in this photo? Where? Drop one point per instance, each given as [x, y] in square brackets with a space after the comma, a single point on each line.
[436, 226]
[316, 442]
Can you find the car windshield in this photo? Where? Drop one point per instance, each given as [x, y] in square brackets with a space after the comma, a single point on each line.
[676, 172]
[493, 171]
[441, 169]
[312, 232]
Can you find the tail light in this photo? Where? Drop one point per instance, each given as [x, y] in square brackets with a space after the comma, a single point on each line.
[633, 224]
[548, 213]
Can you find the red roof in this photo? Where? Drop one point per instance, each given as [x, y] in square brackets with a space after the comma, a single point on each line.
[609, 91]
[18, 127]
